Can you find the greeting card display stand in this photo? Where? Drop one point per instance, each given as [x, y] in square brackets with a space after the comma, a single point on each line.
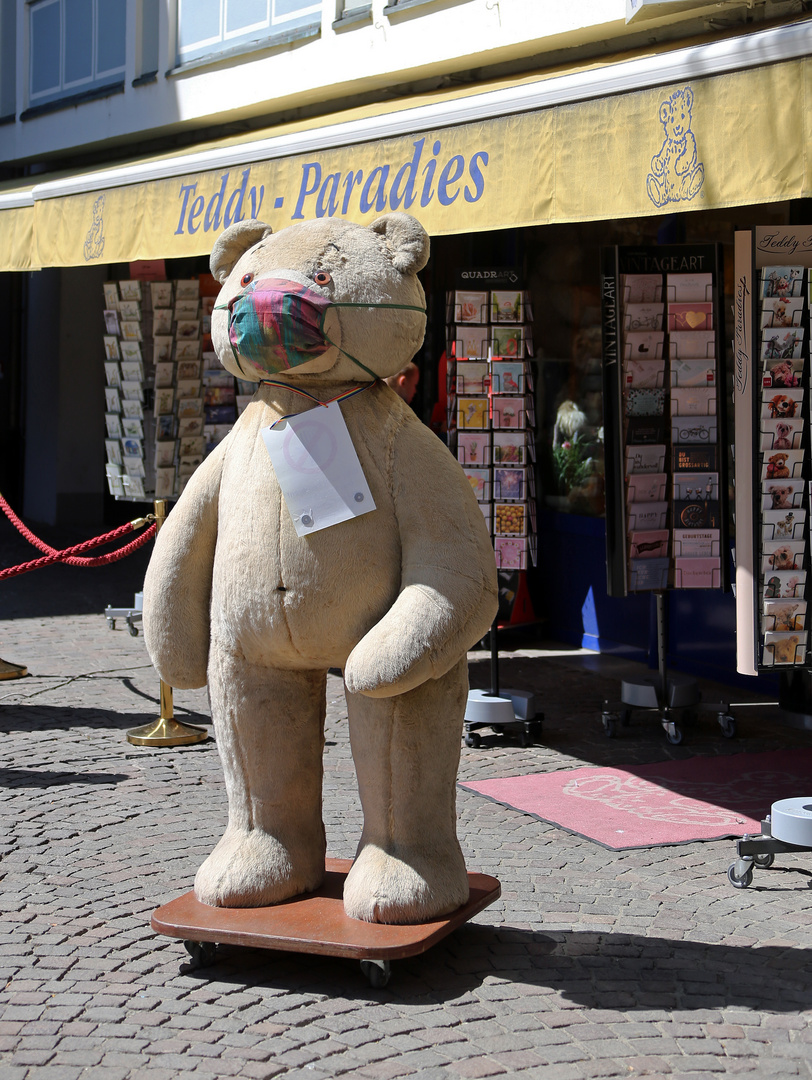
[491, 418]
[773, 469]
[314, 923]
[666, 465]
[169, 403]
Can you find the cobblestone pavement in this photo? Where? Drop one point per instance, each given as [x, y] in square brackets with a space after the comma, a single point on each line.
[592, 964]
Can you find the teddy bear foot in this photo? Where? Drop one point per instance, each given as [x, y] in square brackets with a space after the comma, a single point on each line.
[253, 869]
[383, 888]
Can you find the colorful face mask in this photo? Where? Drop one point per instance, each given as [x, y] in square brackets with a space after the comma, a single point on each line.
[276, 324]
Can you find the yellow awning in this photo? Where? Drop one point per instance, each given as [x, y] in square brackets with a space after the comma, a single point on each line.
[717, 125]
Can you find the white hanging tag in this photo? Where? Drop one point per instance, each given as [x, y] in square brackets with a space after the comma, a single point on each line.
[318, 469]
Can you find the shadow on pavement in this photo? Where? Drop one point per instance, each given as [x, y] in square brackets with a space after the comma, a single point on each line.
[596, 970]
[43, 778]
[35, 717]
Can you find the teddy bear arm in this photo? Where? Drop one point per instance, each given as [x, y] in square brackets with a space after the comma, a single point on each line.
[448, 597]
[421, 637]
[686, 158]
[177, 586]
[658, 161]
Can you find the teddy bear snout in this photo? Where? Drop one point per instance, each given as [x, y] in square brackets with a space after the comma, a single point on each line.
[276, 324]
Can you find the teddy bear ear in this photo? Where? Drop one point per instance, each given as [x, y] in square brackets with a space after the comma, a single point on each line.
[406, 239]
[234, 242]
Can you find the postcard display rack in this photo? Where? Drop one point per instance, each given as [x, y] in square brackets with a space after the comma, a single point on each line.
[666, 464]
[773, 472]
[491, 422]
[168, 402]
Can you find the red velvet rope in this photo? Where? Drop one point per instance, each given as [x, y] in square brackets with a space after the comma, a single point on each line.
[71, 556]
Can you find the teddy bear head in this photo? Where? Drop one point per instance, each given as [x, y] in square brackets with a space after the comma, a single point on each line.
[783, 375]
[324, 299]
[675, 113]
[782, 430]
[784, 617]
[782, 559]
[781, 405]
[780, 496]
[777, 464]
[784, 649]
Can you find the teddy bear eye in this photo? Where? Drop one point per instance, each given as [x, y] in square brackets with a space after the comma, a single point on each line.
[246, 279]
[321, 277]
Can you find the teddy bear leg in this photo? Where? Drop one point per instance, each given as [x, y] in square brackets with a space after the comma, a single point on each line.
[409, 866]
[269, 725]
[656, 191]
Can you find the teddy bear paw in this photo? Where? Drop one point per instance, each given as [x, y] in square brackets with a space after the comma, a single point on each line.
[253, 869]
[384, 888]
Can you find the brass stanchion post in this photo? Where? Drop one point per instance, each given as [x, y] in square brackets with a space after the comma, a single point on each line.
[166, 730]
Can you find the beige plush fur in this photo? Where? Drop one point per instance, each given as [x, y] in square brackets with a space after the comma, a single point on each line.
[234, 597]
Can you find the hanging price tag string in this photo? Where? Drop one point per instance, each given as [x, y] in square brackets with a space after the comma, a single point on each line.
[306, 394]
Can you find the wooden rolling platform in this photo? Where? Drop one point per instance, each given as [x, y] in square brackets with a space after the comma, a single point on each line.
[314, 923]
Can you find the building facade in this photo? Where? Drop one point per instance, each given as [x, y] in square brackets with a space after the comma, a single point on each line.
[521, 134]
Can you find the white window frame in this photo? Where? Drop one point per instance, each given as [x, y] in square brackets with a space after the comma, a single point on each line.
[67, 89]
[267, 27]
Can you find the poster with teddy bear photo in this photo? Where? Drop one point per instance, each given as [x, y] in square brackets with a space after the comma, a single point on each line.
[784, 649]
[784, 404]
[782, 494]
[783, 555]
[781, 434]
[783, 464]
[784, 616]
[783, 524]
[779, 311]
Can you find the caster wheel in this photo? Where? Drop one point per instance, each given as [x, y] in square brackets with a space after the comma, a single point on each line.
[764, 861]
[377, 972]
[133, 631]
[473, 740]
[673, 733]
[737, 880]
[608, 722]
[111, 624]
[728, 725]
[203, 953]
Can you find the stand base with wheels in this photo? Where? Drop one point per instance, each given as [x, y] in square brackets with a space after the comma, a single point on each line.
[131, 615]
[663, 693]
[314, 923]
[508, 711]
[681, 701]
[792, 819]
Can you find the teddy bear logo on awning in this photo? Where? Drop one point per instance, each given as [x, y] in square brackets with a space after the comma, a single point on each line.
[94, 241]
[676, 175]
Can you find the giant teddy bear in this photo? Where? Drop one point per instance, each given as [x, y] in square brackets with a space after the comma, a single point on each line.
[235, 597]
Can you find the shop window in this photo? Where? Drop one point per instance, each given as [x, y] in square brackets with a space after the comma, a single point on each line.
[208, 27]
[75, 46]
[565, 287]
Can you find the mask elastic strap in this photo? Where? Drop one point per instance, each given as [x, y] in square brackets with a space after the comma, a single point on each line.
[349, 303]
